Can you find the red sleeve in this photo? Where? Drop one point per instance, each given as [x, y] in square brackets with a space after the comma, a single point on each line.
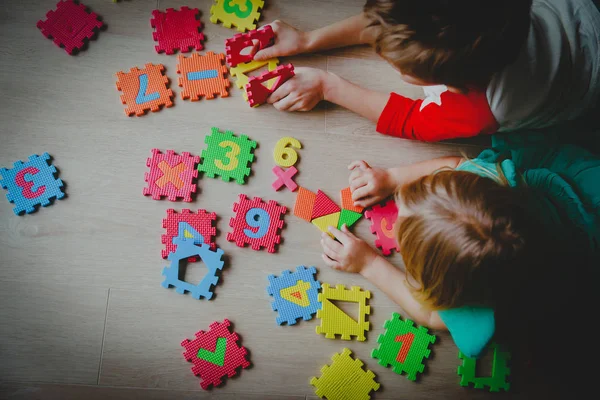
[439, 116]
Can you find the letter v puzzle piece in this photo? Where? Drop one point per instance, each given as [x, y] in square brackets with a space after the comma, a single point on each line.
[144, 89]
[189, 225]
[70, 25]
[177, 30]
[383, 219]
[215, 354]
[202, 75]
[235, 45]
[336, 322]
[171, 175]
[295, 295]
[257, 91]
[243, 17]
[31, 183]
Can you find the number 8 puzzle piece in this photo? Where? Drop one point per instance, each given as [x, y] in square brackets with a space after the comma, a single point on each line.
[242, 14]
[144, 89]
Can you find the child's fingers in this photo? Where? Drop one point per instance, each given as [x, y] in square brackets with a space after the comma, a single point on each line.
[361, 193]
[281, 92]
[358, 164]
[332, 245]
[286, 103]
[358, 182]
[343, 237]
[332, 263]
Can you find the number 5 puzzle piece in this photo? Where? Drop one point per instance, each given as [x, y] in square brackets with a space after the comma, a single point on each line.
[235, 45]
[242, 14]
[383, 219]
[258, 92]
[144, 89]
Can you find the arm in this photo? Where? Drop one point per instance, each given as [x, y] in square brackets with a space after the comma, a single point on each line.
[365, 102]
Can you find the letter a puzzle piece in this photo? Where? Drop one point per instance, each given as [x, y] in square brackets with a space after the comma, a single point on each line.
[144, 89]
[324, 206]
[242, 15]
[197, 226]
[403, 346]
[70, 25]
[235, 45]
[347, 203]
[500, 371]
[31, 183]
[383, 219]
[212, 359]
[305, 202]
[177, 30]
[295, 295]
[336, 322]
[202, 75]
[324, 222]
[349, 218]
[171, 175]
[257, 91]
[345, 379]
[256, 223]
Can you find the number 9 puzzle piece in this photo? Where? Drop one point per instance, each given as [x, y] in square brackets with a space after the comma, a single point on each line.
[382, 224]
[144, 89]
[242, 14]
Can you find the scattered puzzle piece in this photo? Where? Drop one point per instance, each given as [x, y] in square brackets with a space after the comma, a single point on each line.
[70, 25]
[202, 75]
[171, 175]
[349, 218]
[235, 45]
[382, 224]
[188, 225]
[211, 368]
[347, 203]
[295, 295]
[144, 89]
[284, 153]
[257, 91]
[240, 72]
[305, 202]
[336, 322]
[31, 183]
[285, 178]
[324, 222]
[243, 17]
[500, 371]
[177, 30]
[345, 379]
[324, 206]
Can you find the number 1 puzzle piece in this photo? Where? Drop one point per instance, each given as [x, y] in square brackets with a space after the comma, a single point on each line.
[177, 30]
[383, 219]
[241, 14]
[336, 322]
[235, 45]
[144, 89]
[202, 75]
[257, 91]
[190, 225]
[171, 175]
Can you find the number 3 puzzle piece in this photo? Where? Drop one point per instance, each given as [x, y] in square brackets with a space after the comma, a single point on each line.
[235, 45]
[144, 89]
[383, 219]
[243, 14]
[257, 91]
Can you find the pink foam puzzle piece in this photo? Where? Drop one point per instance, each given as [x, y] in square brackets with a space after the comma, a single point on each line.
[171, 175]
[383, 219]
[202, 221]
[324, 206]
[177, 30]
[285, 177]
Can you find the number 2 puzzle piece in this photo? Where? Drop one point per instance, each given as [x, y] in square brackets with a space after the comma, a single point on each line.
[202, 75]
[500, 371]
[69, 25]
[235, 45]
[242, 14]
[189, 225]
[31, 183]
[144, 89]
[171, 175]
[177, 30]
[257, 91]
[336, 322]
[256, 223]
[295, 295]
[383, 219]
[215, 354]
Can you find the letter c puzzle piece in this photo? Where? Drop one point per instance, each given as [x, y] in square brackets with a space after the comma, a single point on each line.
[383, 219]
[144, 89]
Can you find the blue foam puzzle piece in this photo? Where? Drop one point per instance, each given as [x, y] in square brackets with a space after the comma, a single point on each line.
[38, 180]
[290, 312]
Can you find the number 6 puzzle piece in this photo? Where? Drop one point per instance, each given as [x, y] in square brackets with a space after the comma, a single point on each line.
[144, 89]
[241, 14]
[383, 219]
[257, 91]
[202, 75]
[235, 45]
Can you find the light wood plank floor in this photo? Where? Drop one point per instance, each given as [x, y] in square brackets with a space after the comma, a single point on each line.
[82, 313]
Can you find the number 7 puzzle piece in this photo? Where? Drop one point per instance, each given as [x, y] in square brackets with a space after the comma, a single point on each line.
[257, 91]
[383, 219]
[235, 45]
[144, 89]
[241, 14]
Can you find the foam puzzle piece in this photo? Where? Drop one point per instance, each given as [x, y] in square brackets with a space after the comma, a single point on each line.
[223, 362]
[227, 155]
[349, 218]
[256, 223]
[171, 175]
[345, 379]
[177, 30]
[284, 153]
[202, 75]
[324, 206]
[285, 178]
[257, 91]
[336, 322]
[235, 45]
[240, 72]
[403, 346]
[186, 249]
[31, 183]
[243, 17]
[144, 89]
[70, 25]
[305, 202]
[324, 222]
[500, 371]
[188, 225]
[295, 295]
[347, 203]
[383, 219]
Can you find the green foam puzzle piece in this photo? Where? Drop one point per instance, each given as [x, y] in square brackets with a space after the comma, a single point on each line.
[349, 218]
[500, 371]
[216, 357]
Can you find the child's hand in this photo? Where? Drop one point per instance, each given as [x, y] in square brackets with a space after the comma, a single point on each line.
[369, 185]
[350, 254]
[301, 93]
[288, 41]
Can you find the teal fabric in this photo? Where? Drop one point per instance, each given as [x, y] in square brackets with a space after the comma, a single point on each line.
[471, 328]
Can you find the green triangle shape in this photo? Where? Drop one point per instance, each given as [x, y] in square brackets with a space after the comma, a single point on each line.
[349, 218]
[216, 357]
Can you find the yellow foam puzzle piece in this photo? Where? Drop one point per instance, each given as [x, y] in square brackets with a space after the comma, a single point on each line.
[297, 294]
[336, 322]
[324, 222]
[243, 14]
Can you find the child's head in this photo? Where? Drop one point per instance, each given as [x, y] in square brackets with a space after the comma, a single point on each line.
[459, 43]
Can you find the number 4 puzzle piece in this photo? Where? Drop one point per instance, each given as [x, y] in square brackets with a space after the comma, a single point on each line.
[144, 89]
[235, 45]
[383, 219]
[256, 89]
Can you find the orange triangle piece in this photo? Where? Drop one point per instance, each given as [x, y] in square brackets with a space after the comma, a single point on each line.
[324, 206]
[347, 202]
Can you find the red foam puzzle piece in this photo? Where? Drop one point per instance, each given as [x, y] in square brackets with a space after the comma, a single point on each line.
[177, 30]
[383, 219]
[69, 25]
[324, 206]
[258, 92]
[202, 221]
[285, 177]
[171, 175]
[235, 45]
[234, 356]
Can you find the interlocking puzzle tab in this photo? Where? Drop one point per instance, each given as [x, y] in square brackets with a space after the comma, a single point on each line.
[305, 202]
[284, 153]
[257, 91]
[171, 175]
[256, 223]
[144, 89]
[500, 371]
[227, 155]
[336, 322]
[284, 178]
[235, 45]
[295, 294]
[243, 17]
[202, 75]
[70, 25]
[188, 225]
[403, 346]
[177, 30]
[215, 354]
[241, 70]
[383, 219]
[186, 249]
[31, 183]
[345, 379]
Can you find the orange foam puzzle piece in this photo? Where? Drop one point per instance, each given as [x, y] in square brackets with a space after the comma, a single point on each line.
[305, 202]
[144, 89]
[347, 203]
[203, 75]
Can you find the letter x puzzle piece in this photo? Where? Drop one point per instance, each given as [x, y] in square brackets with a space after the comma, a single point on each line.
[203, 75]
[227, 155]
[31, 183]
[241, 71]
[336, 322]
[257, 91]
[241, 14]
[500, 371]
[345, 379]
[403, 346]
[171, 175]
[144, 89]
[69, 25]
[285, 177]
[215, 354]
[256, 223]
[235, 45]
[295, 295]
[177, 30]
[186, 249]
[382, 224]
[188, 225]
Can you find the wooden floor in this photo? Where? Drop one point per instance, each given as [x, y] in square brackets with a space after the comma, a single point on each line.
[82, 310]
